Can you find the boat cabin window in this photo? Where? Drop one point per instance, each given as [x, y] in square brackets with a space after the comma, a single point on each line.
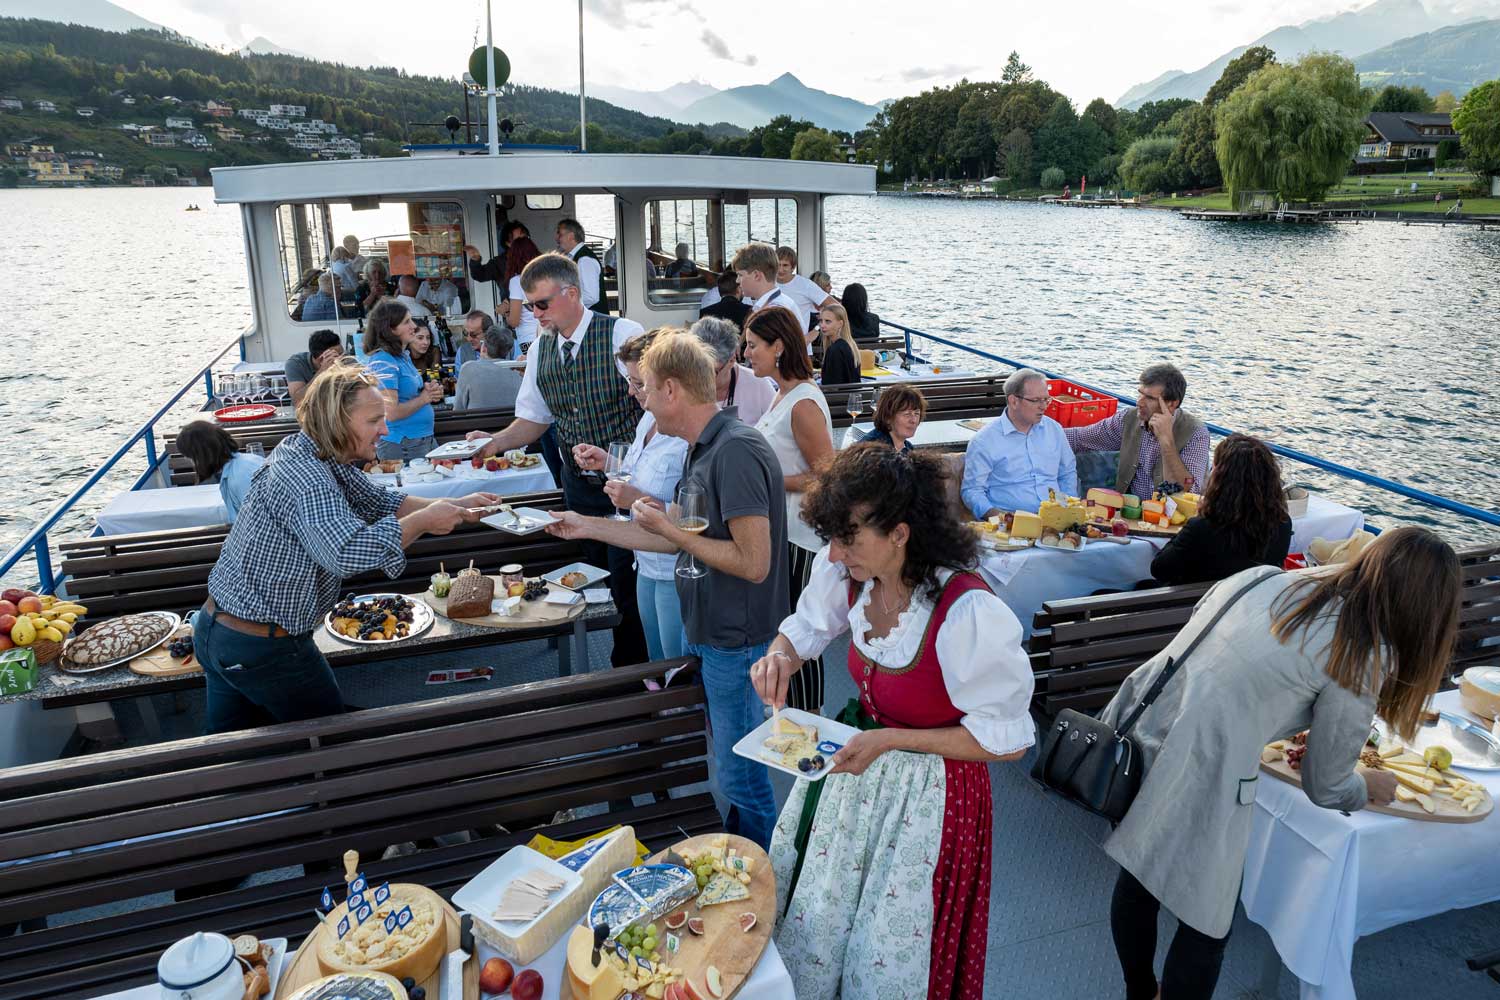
[544, 202]
[689, 243]
[423, 239]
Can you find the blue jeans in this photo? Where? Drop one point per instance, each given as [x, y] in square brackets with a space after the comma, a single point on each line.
[734, 710]
[661, 616]
[407, 449]
[255, 680]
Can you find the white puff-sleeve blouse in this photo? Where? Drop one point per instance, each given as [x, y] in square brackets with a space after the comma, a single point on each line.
[986, 671]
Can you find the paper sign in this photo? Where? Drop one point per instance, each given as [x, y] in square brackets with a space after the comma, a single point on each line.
[404, 917]
[390, 923]
[356, 900]
[403, 257]
[343, 927]
[382, 893]
[358, 885]
[364, 913]
[325, 902]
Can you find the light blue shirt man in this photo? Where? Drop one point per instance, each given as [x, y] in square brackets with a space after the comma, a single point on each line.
[1014, 461]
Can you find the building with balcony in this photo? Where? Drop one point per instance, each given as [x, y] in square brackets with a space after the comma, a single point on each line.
[1405, 135]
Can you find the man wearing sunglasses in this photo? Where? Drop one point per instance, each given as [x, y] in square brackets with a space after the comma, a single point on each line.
[1020, 455]
[576, 384]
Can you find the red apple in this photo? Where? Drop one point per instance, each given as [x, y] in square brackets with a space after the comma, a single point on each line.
[528, 985]
[689, 991]
[6, 623]
[477, 462]
[29, 605]
[14, 595]
[7, 608]
[492, 464]
[496, 975]
[6, 643]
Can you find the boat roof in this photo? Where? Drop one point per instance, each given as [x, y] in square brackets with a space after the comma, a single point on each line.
[575, 173]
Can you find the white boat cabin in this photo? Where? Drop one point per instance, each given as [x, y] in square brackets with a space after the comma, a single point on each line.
[420, 211]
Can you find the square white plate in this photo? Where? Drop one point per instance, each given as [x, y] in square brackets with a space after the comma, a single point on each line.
[525, 520]
[481, 894]
[593, 573]
[829, 732]
[564, 597]
[598, 595]
[458, 449]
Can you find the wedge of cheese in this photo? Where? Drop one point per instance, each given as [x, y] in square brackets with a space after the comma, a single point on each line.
[1025, 525]
[1414, 782]
[1061, 515]
[590, 981]
[786, 727]
[1187, 504]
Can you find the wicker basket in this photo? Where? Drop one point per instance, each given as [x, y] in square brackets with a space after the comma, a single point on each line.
[46, 651]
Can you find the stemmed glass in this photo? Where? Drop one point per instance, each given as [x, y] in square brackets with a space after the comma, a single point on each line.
[616, 471]
[692, 517]
[857, 402]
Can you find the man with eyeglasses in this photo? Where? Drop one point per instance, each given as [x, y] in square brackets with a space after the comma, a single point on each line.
[1158, 441]
[1020, 455]
[575, 384]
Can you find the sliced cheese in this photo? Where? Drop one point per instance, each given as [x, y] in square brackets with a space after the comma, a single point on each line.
[1425, 801]
[1404, 794]
[1025, 525]
[1414, 782]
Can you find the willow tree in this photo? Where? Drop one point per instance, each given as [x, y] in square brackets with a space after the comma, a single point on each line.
[1291, 129]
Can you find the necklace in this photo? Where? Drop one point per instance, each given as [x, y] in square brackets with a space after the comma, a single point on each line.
[900, 605]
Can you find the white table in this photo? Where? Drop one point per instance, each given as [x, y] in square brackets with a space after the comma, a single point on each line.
[1318, 880]
[202, 506]
[919, 370]
[259, 367]
[930, 433]
[1027, 578]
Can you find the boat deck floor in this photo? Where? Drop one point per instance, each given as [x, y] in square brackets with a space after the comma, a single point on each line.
[1049, 916]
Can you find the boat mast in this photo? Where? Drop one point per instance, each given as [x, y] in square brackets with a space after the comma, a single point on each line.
[583, 128]
[491, 91]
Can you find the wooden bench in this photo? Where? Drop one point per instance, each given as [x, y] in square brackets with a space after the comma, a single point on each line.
[283, 796]
[1082, 648]
[947, 399]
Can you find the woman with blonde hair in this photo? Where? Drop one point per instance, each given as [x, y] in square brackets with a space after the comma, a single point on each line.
[310, 521]
[840, 352]
[1277, 654]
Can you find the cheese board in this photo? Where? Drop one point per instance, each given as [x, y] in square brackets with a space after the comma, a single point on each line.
[159, 662]
[1470, 744]
[734, 934]
[1141, 529]
[1438, 807]
[527, 614]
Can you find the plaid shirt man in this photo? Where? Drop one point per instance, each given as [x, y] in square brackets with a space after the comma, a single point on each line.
[305, 526]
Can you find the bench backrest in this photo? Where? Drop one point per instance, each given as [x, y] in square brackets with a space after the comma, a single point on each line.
[120, 574]
[221, 807]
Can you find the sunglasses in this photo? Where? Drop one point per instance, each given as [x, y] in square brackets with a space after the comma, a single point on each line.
[542, 305]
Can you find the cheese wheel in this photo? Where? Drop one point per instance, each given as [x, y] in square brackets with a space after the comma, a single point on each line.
[413, 951]
[1479, 690]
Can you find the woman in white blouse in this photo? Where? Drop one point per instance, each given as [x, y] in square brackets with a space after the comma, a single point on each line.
[799, 429]
[899, 834]
[655, 462]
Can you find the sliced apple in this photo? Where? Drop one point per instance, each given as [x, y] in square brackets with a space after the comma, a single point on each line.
[689, 991]
[715, 983]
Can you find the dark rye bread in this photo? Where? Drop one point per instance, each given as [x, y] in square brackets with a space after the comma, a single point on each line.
[117, 639]
[471, 596]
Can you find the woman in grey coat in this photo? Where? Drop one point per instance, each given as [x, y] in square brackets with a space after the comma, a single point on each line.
[1322, 652]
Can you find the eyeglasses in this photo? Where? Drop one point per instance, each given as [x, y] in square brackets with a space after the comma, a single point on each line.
[636, 386]
[1035, 400]
[542, 305]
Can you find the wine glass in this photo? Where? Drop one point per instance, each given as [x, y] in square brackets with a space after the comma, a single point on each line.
[857, 403]
[616, 471]
[692, 517]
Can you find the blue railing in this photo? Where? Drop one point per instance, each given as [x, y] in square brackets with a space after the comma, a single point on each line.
[36, 542]
[1411, 493]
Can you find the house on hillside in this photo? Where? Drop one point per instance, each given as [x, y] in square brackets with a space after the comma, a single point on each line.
[289, 110]
[86, 112]
[218, 110]
[160, 140]
[185, 123]
[1405, 135]
[196, 140]
[227, 134]
[51, 169]
[45, 107]
[169, 99]
[11, 104]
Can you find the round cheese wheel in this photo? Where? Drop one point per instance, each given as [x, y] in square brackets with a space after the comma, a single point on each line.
[414, 950]
[1479, 691]
[374, 985]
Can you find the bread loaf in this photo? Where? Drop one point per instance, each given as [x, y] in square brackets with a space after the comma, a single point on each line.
[470, 596]
[118, 639]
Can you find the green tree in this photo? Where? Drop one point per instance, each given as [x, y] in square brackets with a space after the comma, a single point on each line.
[1015, 72]
[1106, 117]
[1106, 170]
[777, 136]
[1015, 152]
[1053, 177]
[1145, 165]
[1291, 129]
[1477, 120]
[1152, 116]
[816, 144]
[1444, 101]
[1402, 99]
[1193, 161]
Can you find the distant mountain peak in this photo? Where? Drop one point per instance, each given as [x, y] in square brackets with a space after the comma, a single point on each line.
[757, 104]
[787, 80]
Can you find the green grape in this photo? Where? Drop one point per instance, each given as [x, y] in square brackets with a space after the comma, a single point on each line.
[638, 951]
[651, 930]
[702, 881]
[650, 943]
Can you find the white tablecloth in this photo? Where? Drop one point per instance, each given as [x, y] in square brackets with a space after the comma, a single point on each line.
[1027, 578]
[929, 433]
[507, 483]
[925, 372]
[159, 510]
[1318, 880]
[259, 367]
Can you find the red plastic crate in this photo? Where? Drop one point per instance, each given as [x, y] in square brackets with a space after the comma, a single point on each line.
[1074, 406]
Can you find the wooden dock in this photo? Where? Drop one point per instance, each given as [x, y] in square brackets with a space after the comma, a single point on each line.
[1291, 215]
[1095, 203]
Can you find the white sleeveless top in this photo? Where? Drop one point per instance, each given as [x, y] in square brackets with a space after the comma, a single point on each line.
[776, 426]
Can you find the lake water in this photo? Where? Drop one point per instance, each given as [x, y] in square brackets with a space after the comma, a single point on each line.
[1374, 345]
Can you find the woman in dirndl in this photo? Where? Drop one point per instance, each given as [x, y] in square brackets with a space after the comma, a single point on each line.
[883, 867]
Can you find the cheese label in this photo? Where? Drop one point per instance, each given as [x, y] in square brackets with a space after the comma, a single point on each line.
[343, 927]
[359, 884]
[575, 860]
[364, 913]
[829, 747]
[356, 900]
[1170, 508]
[404, 917]
[673, 943]
[325, 902]
[390, 923]
[382, 893]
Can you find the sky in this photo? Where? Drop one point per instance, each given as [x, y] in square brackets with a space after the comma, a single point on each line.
[866, 49]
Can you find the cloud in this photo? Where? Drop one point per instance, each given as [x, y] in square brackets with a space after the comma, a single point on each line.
[946, 71]
[720, 48]
[612, 12]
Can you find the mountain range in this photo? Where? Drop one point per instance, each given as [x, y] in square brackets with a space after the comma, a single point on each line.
[1453, 59]
[1353, 33]
[662, 103]
[90, 13]
[785, 95]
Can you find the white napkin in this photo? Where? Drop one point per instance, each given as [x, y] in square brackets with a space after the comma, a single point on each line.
[564, 597]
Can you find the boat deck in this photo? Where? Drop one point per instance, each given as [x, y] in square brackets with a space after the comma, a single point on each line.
[1049, 917]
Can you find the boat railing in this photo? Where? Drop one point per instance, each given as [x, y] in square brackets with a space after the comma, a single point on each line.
[37, 542]
[1347, 472]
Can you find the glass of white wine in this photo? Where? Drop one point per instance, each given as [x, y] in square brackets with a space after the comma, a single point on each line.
[856, 403]
[616, 471]
[692, 517]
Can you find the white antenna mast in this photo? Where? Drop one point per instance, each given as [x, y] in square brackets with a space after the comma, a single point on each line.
[583, 125]
[491, 91]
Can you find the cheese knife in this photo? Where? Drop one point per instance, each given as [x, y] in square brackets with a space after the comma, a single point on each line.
[451, 972]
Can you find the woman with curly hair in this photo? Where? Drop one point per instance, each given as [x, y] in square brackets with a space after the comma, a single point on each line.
[1242, 519]
[899, 833]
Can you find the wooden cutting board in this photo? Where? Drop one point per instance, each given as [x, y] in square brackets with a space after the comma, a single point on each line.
[160, 663]
[723, 945]
[303, 968]
[530, 614]
[1448, 811]
[1142, 529]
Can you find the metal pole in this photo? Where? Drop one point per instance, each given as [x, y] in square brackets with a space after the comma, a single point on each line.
[490, 90]
[583, 125]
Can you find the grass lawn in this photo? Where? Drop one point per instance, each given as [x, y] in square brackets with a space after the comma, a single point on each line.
[1206, 202]
[1373, 187]
[1472, 206]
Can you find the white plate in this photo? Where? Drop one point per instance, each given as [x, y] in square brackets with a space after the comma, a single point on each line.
[1082, 544]
[458, 449]
[829, 731]
[598, 595]
[422, 618]
[593, 573]
[565, 597]
[1012, 545]
[481, 894]
[520, 521]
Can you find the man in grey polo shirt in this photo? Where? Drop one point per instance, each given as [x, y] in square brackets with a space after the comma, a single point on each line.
[731, 613]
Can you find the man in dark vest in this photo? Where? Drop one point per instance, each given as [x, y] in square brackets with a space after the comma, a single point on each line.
[729, 306]
[575, 384]
[1158, 441]
[570, 242]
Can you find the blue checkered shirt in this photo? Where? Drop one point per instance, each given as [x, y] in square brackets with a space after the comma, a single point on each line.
[305, 526]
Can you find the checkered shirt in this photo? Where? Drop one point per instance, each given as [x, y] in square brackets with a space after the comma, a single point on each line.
[305, 526]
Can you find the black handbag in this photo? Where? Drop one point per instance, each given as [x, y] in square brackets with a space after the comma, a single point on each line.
[1099, 768]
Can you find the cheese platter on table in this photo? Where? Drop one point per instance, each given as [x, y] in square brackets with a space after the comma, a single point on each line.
[173, 659]
[689, 925]
[504, 601]
[377, 619]
[1427, 788]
